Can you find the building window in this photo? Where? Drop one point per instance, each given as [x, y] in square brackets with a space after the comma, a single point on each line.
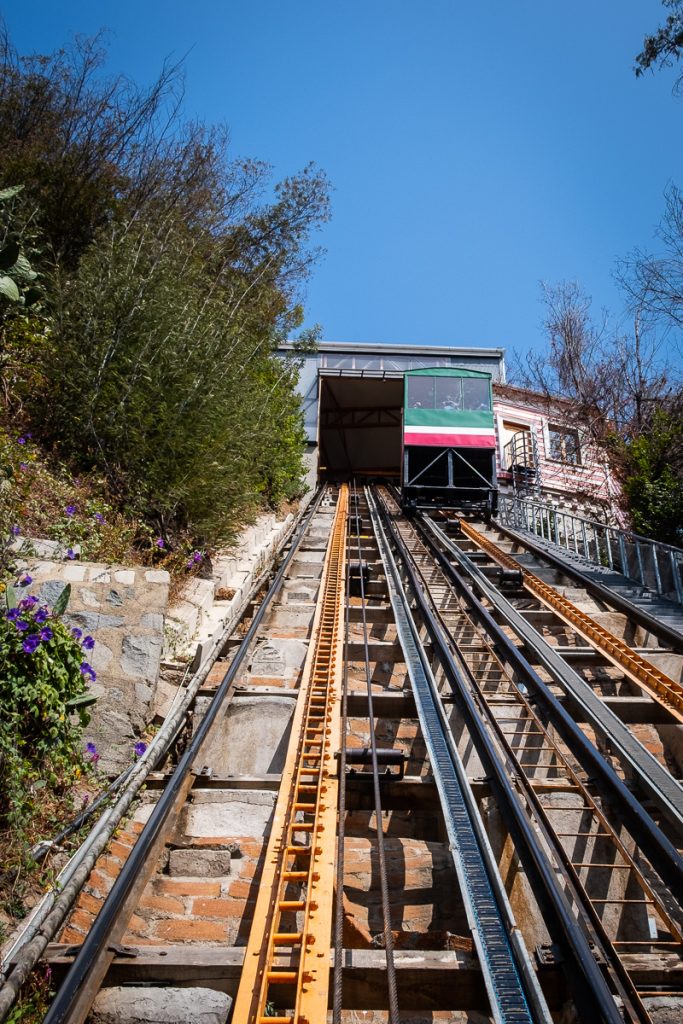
[563, 445]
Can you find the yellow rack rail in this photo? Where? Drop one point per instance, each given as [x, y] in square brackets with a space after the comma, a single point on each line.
[661, 687]
[288, 953]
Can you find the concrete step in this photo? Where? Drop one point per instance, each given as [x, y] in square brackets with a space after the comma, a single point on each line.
[133, 1004]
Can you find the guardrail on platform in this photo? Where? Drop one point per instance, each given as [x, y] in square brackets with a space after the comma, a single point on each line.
[656, 566]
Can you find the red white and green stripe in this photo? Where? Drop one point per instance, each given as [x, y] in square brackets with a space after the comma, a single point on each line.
[449, 436]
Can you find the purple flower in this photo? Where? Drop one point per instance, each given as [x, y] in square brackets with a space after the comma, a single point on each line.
[100, 518]
[21, 625]
[88, 643]
[28, 602]
[160, 543]
[23, 465]
[197, 556]
[15, 531]
[27, 581]
[29, 433]
[46, 633]
[13, 614]
[89, 671]
[91, 749]
[41, 615]
[76, 633]
[70, 510]
[21, 440]
[31, 643]
[70, 553]
[140, 748]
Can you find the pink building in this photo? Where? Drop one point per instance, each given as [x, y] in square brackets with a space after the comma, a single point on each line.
[545, 453]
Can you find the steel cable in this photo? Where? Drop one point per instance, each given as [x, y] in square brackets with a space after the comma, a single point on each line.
[339, 916]
[381, 854]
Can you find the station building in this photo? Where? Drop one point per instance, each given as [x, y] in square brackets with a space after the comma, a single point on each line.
[353, 405]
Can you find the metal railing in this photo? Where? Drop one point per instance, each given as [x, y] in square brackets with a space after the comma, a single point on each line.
[656, 566]
[521, 458]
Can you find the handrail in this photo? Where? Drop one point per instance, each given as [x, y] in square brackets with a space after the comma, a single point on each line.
[649, 563]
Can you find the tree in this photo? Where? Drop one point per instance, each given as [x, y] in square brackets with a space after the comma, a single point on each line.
[163, 376]
[654, 479]
[172, 272]
[653, 282]
[622, 393]
[666, 45]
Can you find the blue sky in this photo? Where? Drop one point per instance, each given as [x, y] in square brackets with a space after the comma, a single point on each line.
[474, 149]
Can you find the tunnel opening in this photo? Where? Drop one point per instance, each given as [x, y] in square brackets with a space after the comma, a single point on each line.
[360, 422]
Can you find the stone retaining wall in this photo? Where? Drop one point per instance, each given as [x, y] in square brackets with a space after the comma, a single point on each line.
[207, 606]
[123, 609]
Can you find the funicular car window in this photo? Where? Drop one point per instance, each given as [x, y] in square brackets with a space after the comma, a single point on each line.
[476, 393]
[420, 392]
[447, 393]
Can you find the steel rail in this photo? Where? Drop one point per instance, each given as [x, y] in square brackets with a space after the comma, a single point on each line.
[622, 981]
[661, 853]
[78, 990]
[381, 853]
[298, 874]
[661, 687]
[597, 589]
[508, 975]
[589, 987]
[653, 779]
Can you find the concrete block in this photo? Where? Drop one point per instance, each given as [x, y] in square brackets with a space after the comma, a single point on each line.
[306, 570]
[291, 617]
[157, 576]
[243, 813]
[144, 1005]
[125, 576]
[238, 579]
[252, 738]
[278, 657]
[98, 575]
[199, 592]
[202, 863]
[185, 616]
[73, 573]
[306, 555]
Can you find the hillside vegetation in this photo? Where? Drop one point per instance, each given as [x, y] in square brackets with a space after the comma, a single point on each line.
[148, 278]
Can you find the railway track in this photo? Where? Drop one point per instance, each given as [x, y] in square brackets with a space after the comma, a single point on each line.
[399, 801]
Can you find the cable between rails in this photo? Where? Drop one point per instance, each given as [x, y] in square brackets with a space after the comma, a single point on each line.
[339, 915]
[381, 853]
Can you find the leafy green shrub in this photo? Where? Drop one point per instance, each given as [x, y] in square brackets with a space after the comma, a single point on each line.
[165, 381]
[173, 272]
[43, 702]
[653, 480]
